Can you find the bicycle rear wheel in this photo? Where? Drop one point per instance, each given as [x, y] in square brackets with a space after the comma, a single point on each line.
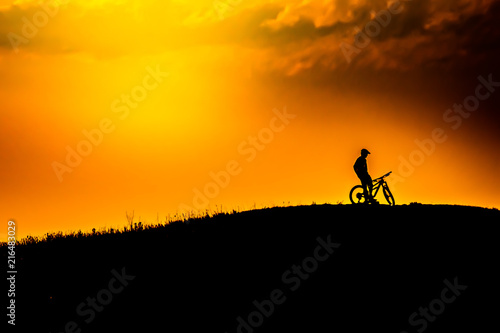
[357, 195]
[388, 196]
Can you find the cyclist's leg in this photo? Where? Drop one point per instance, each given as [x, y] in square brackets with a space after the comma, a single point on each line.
[365, 184]
[370, 184]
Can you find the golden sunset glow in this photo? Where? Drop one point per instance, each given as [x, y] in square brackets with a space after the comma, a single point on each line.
[114, 106]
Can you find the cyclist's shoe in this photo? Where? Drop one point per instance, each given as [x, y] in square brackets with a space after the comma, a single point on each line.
[373, 201]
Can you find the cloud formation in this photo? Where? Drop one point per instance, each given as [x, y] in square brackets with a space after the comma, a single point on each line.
[287, 37]
[451, 35]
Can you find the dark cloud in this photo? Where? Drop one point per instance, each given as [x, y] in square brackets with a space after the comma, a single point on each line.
[440, 35]
[296, 37]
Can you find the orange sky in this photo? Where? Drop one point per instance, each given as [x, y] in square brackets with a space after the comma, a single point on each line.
[274, 98]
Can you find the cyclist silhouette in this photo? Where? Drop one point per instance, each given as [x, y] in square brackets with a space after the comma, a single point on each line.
[361, 169]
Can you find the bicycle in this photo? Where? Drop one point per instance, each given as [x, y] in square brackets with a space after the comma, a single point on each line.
[357, 194]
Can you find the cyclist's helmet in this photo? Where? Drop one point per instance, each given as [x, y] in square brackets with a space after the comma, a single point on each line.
[365, 151]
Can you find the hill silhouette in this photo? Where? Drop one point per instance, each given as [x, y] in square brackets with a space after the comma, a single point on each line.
[319, 268]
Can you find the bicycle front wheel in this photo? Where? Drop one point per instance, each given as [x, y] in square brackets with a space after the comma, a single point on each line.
[388, 196]
[357, 195]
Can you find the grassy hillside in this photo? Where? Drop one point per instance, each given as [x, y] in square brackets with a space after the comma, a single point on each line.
[323, 268]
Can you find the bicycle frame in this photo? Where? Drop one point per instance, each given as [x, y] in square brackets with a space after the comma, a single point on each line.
[377, 183]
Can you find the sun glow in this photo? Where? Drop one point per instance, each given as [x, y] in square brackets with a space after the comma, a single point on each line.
[140, 103]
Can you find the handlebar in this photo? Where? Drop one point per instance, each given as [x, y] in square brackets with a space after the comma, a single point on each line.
[386, 175]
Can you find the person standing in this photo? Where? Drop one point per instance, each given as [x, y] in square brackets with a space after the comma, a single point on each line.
[361, 169]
